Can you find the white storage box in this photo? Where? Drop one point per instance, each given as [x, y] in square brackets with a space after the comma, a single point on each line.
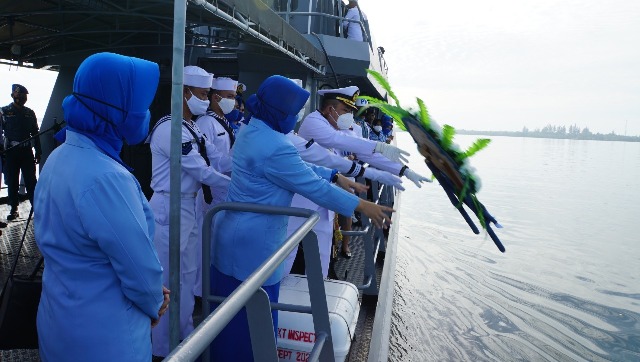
[295, 330]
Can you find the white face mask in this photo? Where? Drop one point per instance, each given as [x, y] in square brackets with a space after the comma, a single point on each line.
[377, 128]
[196, 105]
[227, 105]
[344, 121]
[301, 115]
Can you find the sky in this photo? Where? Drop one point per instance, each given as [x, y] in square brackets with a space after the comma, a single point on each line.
[492, 64]
[38, 82]
[505, 64]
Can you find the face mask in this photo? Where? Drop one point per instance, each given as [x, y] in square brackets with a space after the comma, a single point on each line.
[344, 121]
[288, 124]
[135, 127]
[377, 128]
[20, 100]
[197, 106]
[300, 115]
[233, 116]
[227, 105]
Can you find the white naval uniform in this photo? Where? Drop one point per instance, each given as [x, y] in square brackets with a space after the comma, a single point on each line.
[316, 127]
[313, 153]
[195, 172]
[353, 30]
[218, 136]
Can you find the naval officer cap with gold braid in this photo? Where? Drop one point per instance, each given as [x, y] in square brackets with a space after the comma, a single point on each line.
[346, 95]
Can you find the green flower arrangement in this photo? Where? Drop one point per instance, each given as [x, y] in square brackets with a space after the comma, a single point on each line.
[446, 160]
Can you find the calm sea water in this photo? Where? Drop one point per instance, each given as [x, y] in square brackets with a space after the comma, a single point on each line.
[568, 287]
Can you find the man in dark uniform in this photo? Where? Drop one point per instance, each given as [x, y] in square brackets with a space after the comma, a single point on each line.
[19, 124]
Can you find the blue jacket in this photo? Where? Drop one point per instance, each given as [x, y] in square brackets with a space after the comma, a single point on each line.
[267, 170]
[102, 281]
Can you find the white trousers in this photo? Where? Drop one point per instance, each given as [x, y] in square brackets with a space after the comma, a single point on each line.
[188, 265]
[324, 232]
[202, 207]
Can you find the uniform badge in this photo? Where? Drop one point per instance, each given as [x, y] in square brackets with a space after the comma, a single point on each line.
[186, 148]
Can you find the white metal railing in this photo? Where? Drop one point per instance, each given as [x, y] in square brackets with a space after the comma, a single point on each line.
[250, 294]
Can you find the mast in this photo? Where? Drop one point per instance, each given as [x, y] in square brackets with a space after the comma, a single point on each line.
[179, 20]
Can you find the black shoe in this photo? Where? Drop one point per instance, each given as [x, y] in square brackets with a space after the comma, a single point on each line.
[3, 225]
[13, 215]
[346, 254]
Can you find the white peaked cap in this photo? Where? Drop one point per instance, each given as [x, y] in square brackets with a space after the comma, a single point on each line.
[224, 84]
[196, 77]
[241, 87]
[361, 102]
[347, 95]
[347, 91]
[297, 81]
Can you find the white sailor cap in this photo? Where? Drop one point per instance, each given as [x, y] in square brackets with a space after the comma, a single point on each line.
[224, 84]
[346, 95]
[196, 77]
[241, 88]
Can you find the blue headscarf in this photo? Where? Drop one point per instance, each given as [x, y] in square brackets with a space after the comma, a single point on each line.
[110, 101]
[387, 122]
[233, 117]
[277, 103]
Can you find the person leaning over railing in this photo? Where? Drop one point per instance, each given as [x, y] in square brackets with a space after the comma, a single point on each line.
[268, 170]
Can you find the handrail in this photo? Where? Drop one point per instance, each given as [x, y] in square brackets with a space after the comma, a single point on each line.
[356, 233]
[198, 341]
[373, 238]
[175, 168]
[215, 10]
[329, 16]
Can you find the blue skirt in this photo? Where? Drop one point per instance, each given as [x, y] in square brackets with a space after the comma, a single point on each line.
[234, 342]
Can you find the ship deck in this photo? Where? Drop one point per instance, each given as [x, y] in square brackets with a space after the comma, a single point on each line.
[28, 261]
[351, 270]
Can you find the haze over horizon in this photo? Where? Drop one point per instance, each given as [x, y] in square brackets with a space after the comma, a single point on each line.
[502, 65]
[493, 65]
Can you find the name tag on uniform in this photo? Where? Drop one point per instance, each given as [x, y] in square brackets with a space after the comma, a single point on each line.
[309, 143]
[221, 134]
[186, 148]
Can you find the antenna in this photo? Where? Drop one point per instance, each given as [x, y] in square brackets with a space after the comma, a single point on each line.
[625, 128]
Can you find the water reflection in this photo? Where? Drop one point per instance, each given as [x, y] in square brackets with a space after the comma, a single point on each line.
[567, 288]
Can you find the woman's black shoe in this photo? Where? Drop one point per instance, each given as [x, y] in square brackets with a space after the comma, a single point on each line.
[346, 254]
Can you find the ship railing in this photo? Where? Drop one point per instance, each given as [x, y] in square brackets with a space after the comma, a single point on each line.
[251, 296]
[373, 238]
[287, 17]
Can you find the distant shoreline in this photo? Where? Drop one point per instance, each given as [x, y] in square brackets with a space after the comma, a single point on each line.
[534, 134]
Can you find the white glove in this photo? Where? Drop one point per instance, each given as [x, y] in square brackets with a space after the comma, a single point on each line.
[415, 178]
[392, 152]
[383, 177]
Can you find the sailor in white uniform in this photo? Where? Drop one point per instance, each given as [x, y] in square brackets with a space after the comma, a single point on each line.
[216, 128]
[313, 153]
[353, 30]
[337, 113]
[200, 160]
[339, 104]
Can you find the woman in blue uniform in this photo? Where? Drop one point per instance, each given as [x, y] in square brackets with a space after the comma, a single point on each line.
[102, 283]
[268, 170]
